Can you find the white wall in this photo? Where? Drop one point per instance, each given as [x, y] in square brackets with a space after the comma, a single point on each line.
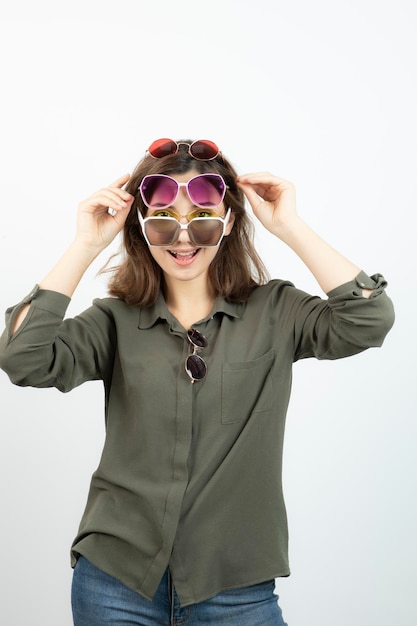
[322, 93]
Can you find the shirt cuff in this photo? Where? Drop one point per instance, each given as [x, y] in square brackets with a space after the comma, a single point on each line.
[44, 299]
[375, 283]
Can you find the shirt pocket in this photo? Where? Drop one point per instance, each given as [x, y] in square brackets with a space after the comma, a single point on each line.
[246, 388]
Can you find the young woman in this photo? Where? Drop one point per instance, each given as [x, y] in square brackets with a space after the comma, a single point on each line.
[185, 520]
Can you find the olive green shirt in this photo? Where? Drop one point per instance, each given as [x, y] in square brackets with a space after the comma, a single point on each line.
[190, 476]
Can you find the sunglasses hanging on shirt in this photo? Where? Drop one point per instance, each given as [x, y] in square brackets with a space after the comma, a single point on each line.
[195, 366]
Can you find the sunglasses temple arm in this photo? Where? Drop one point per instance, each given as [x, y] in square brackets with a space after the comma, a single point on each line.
[227, 217]
[142, 225]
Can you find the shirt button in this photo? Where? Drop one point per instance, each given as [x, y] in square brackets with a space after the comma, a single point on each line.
[31, 295]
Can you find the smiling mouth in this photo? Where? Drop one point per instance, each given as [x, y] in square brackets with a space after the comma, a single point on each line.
[189, 254]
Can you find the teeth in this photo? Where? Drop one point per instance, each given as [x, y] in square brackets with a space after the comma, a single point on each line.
[183, 254]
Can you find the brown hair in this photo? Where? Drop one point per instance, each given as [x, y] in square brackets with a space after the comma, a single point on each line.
[236, 269]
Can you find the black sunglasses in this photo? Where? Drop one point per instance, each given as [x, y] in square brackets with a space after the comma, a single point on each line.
[195, 366]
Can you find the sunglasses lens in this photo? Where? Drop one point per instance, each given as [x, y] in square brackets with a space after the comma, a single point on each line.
[194, 364]
[162, 147]
[205, 231]
[195, 367]
[162, 231]
[196, 338]
[158, 191]
[207, 190]
[204, 150]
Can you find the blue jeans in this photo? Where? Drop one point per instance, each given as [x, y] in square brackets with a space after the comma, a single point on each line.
[99, 599]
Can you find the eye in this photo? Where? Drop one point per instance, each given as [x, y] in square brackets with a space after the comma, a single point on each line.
[164, 213]
[203, 213]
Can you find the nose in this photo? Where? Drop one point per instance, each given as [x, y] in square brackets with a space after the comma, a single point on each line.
[183, 204]
[183, 236]
[182, 207]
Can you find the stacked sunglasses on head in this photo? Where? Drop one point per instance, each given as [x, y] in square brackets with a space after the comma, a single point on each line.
[206, 191]
[162, 227]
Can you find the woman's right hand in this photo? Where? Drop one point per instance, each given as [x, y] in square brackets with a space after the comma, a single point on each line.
[96, 227]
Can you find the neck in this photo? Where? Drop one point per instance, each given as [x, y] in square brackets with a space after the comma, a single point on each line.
[189, 302]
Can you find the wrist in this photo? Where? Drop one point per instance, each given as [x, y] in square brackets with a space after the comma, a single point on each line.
[289, 229]
[67, 273]
[84, 251]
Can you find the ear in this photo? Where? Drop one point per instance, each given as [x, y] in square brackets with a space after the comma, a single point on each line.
[230, 223]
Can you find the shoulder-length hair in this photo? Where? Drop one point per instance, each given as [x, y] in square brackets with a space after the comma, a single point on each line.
[236, 269]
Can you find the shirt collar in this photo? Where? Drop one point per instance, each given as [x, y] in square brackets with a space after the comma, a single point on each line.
[150, 315]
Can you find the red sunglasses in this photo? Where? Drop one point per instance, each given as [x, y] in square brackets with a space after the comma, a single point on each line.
[202, 149]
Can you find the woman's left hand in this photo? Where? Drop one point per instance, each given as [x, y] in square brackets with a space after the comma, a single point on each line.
[272, 199]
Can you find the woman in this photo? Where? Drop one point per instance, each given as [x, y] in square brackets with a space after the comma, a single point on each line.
[185, 519]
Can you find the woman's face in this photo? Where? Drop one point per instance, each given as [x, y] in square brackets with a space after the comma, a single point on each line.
[183, 261]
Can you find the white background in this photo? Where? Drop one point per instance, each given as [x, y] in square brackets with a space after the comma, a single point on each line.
[322, 93]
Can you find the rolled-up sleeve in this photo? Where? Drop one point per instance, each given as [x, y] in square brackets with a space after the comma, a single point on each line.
[48, 351]
[346, 323]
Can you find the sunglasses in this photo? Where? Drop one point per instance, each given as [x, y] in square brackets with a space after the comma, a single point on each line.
[202, 149]
[159, 191]
[195, 365]
[205, 227]
[203, 231]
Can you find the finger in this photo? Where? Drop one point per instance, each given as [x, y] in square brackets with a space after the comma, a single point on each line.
[252, 195]
[266, 185]
[118, 184]
[98, 209]
[110, 194]
[120, 195]
[122, 180]
[118, 202]
[102, 200]
[113, 192]
[114, 210]
[261, 178]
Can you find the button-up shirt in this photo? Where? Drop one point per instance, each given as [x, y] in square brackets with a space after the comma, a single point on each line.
[190, 476]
